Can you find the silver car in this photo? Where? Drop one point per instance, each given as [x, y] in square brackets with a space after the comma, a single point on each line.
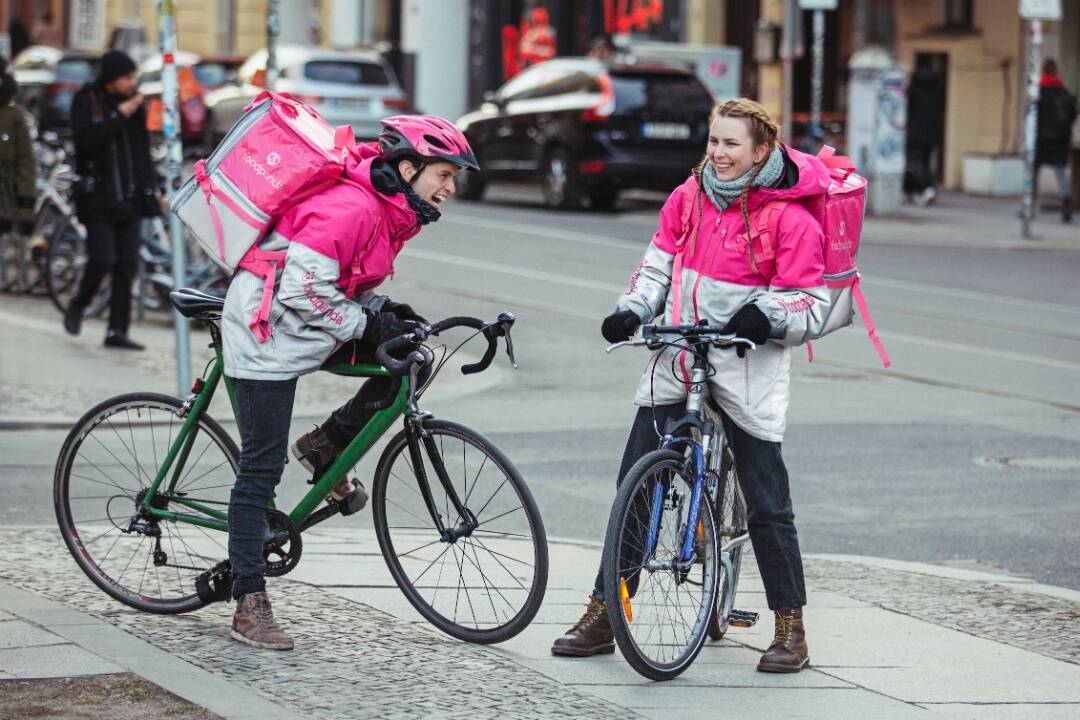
[347, 87]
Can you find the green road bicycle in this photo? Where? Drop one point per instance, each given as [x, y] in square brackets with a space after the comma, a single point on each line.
[142, 486]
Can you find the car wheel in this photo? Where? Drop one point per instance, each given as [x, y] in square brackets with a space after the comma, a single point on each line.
[561, 189]
[603, 198]
[470, 185]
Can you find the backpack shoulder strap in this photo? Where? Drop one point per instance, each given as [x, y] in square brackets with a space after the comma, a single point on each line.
[766, 221]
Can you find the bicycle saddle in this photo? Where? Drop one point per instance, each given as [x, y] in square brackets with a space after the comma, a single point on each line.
[196, 304]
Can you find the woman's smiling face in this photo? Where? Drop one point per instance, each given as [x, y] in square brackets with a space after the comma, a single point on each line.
[731, 149]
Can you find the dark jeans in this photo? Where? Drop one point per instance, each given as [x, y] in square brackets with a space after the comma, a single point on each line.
[764, 482]
[111, 248]
[264, 408]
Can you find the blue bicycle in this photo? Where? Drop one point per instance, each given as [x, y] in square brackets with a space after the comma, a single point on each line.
[674, 540]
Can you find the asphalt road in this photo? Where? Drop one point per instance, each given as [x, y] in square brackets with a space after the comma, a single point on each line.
[964, 452]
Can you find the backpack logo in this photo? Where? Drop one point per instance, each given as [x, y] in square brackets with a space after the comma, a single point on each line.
[843, 227]
[273, 159]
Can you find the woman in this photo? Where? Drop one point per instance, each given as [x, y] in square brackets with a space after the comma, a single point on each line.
[766, 287]
[17, 188]
[340, 245]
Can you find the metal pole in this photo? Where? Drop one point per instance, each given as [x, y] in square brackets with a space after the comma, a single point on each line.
[787, 58]
[818, 75]
[1031, 119]
[170, 91]
[273, 29]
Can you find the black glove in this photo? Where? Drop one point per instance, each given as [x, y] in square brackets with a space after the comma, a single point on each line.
[619, 326]
[404, 312]
[750, 323]
[381, 326]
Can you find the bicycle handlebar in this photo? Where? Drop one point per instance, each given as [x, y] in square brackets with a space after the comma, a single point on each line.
[650, 336]
[493, 331]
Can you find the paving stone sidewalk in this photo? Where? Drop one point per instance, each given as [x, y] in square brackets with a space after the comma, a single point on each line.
[351, 660]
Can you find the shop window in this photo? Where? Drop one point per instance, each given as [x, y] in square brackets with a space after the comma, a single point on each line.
[959, 15]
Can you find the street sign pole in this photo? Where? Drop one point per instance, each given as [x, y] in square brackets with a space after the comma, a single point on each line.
[273, 29]
[818, 76]
[170, 91]
[1031, 119]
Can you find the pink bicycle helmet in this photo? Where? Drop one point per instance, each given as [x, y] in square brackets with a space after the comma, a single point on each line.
[426, 136]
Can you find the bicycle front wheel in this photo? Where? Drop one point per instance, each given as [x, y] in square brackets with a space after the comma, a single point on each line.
[487, 585]
[104, 469]
[659, 608]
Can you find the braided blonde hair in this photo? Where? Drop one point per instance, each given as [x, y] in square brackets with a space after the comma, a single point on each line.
[763, 131]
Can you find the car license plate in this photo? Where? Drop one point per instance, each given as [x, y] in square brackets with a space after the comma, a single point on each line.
[349, 103]
[665, 131]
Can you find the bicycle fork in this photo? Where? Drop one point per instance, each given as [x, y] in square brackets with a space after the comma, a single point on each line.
[416, 434]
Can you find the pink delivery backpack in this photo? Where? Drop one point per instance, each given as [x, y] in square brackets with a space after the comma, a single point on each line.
[278, 153]
[840, 213]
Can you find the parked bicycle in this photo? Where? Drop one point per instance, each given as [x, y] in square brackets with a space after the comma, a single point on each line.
[673, 548]
[142, 485]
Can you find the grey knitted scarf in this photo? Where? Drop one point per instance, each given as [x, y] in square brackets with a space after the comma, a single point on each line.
[724, 192]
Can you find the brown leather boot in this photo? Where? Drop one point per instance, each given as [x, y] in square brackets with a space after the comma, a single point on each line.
[254, 623]
[788, 653]
[591, 635]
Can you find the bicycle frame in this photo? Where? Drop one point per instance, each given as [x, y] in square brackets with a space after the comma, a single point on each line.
[196, 404]
[700, 456]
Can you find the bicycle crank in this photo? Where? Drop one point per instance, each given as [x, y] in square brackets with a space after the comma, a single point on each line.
[282, 550]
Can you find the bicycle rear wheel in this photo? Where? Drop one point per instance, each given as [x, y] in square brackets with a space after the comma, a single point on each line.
[65, 265]
[730, 513]
[105, 466]
[486, 586]
[659, 613]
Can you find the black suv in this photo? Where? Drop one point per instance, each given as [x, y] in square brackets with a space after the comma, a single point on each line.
[585, 129]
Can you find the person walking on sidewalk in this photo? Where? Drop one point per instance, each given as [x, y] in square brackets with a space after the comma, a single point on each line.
[1057, 111]
[339, 246]
[17, 183]
[926, 117]
[117, 188]
[774, 298]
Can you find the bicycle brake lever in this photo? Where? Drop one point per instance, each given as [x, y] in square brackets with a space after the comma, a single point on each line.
[510, 350]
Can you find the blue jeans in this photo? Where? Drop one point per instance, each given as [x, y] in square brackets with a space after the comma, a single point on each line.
[764, 482]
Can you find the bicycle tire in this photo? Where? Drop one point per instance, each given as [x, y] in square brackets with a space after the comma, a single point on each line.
[91, 560]
[626, 512]
[65, 264]
[503, 624]
[729, 510]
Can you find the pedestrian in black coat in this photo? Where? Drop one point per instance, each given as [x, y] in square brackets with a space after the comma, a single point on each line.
[117, 188]
[1057, 111]
[925, 127]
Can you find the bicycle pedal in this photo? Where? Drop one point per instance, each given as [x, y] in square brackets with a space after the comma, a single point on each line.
[355, 501]
[742, 618]
[215, 584]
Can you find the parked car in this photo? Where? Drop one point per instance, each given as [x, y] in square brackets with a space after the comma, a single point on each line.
[347, 87]
[192, 104]
[585, 129]
[48, 79]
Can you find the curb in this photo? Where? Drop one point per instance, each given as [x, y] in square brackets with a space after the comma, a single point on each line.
[98, 637]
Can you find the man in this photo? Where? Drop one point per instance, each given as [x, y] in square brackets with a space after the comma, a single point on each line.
[1057, 110]
[117, 188]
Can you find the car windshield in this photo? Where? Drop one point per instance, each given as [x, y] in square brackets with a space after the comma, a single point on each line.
[345, 72]
[654, 90]
[74, 70]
